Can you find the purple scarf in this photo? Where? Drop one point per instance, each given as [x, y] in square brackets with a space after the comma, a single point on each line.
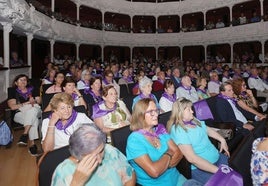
[128, 79]
[59, 125]
[254, 77]
[142, 96]
[106, 82]
[168, 97]
[200, 90]
[187, 88]
[244, 94]
[217, 82]
[86, 84]
[95, 97]
[49, 80]
[74, 96]
[98, 112]
[228, 98]
[189, 123]
[158, 130]
[27, 94]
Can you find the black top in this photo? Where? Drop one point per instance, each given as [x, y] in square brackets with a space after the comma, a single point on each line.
[13, 94]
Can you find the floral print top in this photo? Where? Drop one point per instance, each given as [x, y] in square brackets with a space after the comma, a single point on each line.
[259, 164]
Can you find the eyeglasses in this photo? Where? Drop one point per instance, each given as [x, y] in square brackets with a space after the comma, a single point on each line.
[111, 76]
[244, 85]
[153, 112]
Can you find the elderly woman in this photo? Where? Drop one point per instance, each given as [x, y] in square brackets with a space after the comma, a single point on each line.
[110, 113]
[56, 87]
[93, 94]
[83, 83]
[109, 80]
[63, 121]
[168, 97]
[69, 87]
[145, 86]
[92, 162]
[24, 100]
[245, 98]
[126, 78]
[191, 136]
[150, 150]
[201, 89]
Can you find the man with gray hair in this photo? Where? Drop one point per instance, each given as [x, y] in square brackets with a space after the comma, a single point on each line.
[92, 162]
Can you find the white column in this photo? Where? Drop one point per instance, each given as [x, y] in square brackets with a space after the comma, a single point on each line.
[262, 50]
[205, 47]
[180, 16]
[29, 48]
[7, 28]
[52, 42]
[205, 21]
[232, 52]
[102, 19]
[131, 23]
[77, 11]
[181, 50]
[156, 24]
[102, 52]
[77, 51]
[262, 13]
[131, 53]
[156, 52]
[53, 5]
[231, 15]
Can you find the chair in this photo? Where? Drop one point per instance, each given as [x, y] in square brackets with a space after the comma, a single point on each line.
[164, 117]
[49, 162]
[158, 94]
[119, 138]
[129, 101]
[124, 90]
[241, 157]
[45, 87]
[46, 99]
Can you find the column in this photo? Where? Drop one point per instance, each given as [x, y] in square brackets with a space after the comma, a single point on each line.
[231, 15]
[205, 47]
[52, 42]
[102, 19]
[7, 28]
[180, 16]
[156, 52]
[205, 21]
[181, 50]
[131, 23]
[232, 52]
[131, 49]
[102, 52]
[262, 50]
[77, 11]
[262, 11]
[77, 51]
[53, 5]
[156, 24]
[29, 48]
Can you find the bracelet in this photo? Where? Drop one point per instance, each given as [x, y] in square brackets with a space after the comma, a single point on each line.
[51, 126]
[50, 132]
[169, 155]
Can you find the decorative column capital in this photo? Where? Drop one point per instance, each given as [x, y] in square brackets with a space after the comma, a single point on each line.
[52, 41]
[7, 27]
[29, 35]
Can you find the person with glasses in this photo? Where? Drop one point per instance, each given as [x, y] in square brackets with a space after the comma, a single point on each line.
[245, 98]
[168, 97]
[108, 79]
[56, 87]
[111, 113]
[24, 100]
[61, 123]
[191, 136]
[83, 83]
[92, 162]
[150, 150]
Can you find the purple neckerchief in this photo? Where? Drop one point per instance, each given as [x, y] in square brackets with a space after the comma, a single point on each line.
[171, 98]
[200, 90]
[142, 96]
[98, 112]
[136, 86]
[60, 126]
[106, 82]
[189, 123]
[27, 94]
[158, 130]
[244, 94]
[187, 88]
[86, 84]
[228, 98]
[49, 80]
[74, 96]
[160, 81]
[218, 82]
[95, 97]
[128, 79]
[228, 77]
[255, 77]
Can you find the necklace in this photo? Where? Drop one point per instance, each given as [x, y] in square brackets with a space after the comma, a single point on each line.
[152, 137]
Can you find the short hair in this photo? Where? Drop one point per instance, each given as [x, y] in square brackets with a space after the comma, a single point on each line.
[223, 85]
[106, 89]
[93, 79]
[18, 77]
[199, 81]
[213, 73]
[176, 116]
[61, 98]
[85, 140]
[138, 114]
[237, 85]
[68, 79]
[168, 83]
[145, 81]
[107, 72]
[83, 74]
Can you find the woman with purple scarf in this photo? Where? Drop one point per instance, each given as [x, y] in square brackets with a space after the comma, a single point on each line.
[168, 97]
[63, 121]
[24, 100]
[126, 79]
[110, 113]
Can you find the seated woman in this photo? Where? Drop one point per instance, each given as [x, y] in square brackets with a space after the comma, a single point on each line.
[49, 78]
[191, 136]
[145, 86]
[259, 161]
[245, 98]
[24, 100]
[69, 87]
[108, 79]
[168, 97]
[150, 150]
[126, 79]
[93, 94]
[201, 89]
[63, 121]
[110, 113]
[83, 83]
[92, 162]
[56, 87]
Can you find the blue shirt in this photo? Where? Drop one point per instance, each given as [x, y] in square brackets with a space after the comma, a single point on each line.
[137, 98]
[196, 137]
[137, 146]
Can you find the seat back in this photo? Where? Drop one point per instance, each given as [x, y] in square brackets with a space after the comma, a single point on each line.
[163, 118]
[129, 101]
[119, 138]
[124, 90]
[48, 164]
[46, 99]
[241, 157]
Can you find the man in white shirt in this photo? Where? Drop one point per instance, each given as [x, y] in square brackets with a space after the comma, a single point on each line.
[214, 83]
[187, 90]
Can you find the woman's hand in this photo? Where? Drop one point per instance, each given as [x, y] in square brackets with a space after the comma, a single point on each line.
[84, 169]
[76, 91]
[224, 147]
[249, 92]
[55, 116]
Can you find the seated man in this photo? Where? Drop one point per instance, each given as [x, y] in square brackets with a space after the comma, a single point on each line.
[255, 82]
[187, 90]
[214, 83]
[228, 110]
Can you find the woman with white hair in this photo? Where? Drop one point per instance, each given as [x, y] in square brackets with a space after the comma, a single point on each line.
[83, 83]
[145, 86]
[92, 162]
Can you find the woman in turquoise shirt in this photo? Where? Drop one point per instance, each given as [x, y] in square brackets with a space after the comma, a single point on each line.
[191, 136]
[150, 151]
